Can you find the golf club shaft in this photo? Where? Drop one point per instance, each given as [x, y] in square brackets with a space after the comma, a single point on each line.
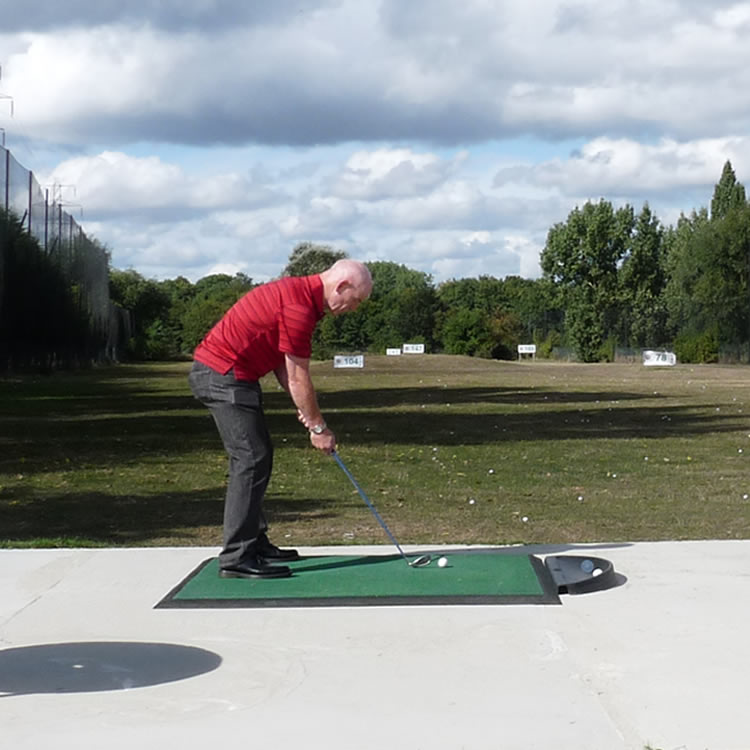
[369, 504]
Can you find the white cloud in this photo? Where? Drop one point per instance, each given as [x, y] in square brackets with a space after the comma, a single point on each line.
[376, 70]
[167, 14]
[453, 254]
[113, 183]
[528, 253]
[617, 167]
[391, 173]
[736, 18]
[319, 216]
[382, 127]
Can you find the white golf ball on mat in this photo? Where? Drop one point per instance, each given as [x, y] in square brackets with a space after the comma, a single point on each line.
[442, 562]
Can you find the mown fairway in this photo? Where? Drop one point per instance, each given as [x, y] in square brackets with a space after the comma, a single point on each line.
[451, 450]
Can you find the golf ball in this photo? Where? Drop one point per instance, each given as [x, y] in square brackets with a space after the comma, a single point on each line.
[442, 562]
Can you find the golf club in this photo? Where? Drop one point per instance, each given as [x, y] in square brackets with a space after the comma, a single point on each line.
[418, 562]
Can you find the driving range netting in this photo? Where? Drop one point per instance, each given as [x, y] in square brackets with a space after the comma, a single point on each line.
[471, 577]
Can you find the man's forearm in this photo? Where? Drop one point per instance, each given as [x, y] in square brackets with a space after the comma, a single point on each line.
[303, 394]
[300, 387]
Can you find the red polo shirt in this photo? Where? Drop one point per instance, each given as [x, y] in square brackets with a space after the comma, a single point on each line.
[268, 322]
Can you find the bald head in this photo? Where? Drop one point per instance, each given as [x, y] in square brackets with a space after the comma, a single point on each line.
[346, 284]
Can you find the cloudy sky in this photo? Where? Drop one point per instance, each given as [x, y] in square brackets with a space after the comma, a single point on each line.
[204, 136]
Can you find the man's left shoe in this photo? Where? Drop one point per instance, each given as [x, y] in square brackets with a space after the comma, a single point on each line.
[269, 551]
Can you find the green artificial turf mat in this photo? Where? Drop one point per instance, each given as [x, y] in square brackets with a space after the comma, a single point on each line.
[473, 577]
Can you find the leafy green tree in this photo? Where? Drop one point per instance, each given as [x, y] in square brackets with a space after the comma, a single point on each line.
[342, 334]
[728, 193]
[327, 339]
[707, 291]
[200, 316]
[147, 302]
[701, 348]
[181, 292]
[212, 296]
[535, 302]
[506, 333]
[486, 294]
[642, 279]
[683, 273]
[401, 307]
[582, 257]
[722, 250]
[179, 289]
[477, 317]
[169, 318]
[308, 258]
[465, 331]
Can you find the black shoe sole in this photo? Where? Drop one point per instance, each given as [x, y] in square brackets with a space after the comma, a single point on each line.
[270, 574]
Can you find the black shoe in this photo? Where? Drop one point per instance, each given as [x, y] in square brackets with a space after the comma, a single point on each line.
[255, 567]
[269, 551]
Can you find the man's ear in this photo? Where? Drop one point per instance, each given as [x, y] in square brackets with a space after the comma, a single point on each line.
[342, 286]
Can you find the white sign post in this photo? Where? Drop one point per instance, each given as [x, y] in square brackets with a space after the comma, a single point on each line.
[413, 348]
[527, 349]
[395, 352]
[349, 360]
[652, 358]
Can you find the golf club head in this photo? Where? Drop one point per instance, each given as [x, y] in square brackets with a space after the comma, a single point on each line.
[420, 562]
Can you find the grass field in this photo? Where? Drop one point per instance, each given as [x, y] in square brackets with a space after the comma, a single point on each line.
[451, 450]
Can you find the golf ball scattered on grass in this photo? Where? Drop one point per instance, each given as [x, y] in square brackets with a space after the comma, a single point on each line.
[442, 562]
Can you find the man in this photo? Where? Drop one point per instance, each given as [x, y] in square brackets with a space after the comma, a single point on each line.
[268, 330]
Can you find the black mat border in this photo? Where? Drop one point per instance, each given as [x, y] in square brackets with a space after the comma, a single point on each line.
[549, 595]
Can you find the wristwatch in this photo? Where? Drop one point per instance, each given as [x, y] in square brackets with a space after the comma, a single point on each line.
[319, 429]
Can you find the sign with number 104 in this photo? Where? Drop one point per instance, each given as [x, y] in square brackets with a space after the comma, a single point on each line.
[343, 360]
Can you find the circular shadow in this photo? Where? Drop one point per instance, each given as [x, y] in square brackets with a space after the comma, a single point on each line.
[97, 666]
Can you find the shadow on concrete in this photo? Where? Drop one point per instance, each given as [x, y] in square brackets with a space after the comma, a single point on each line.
[98, 666]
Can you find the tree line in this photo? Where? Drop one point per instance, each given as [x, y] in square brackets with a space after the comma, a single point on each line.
[611, 278]
[484, 317]
[624, 279]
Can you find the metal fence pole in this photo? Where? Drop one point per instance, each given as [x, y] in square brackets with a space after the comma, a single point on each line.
[7, 179]
[31, 188]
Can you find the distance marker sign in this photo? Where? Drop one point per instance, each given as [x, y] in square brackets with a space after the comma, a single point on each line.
[349, 360]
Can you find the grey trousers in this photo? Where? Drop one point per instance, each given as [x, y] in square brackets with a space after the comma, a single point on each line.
[237, 409]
